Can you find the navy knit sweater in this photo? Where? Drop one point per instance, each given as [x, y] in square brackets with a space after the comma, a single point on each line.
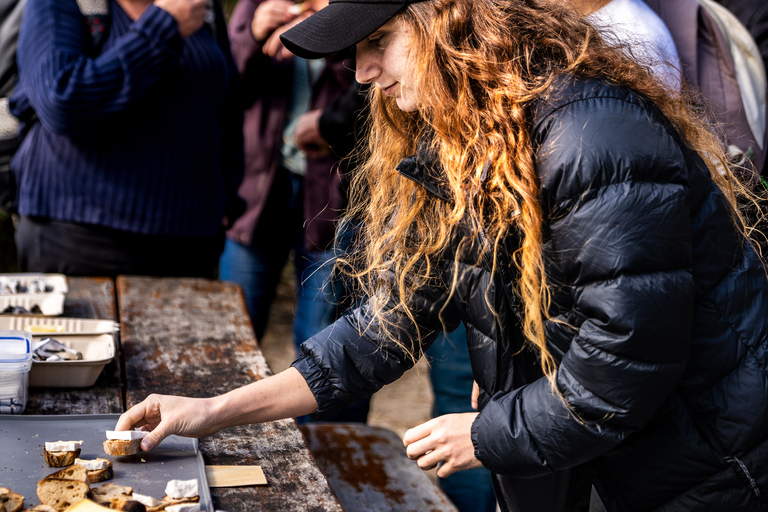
[143, 135]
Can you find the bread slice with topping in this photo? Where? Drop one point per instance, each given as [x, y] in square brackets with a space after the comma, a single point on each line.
[61, 453]
[10, 501]
[122, 447]
[98, 470]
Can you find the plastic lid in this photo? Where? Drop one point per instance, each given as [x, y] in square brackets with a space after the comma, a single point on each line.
[15, 346]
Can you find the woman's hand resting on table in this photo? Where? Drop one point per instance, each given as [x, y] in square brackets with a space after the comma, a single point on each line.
[445, 440]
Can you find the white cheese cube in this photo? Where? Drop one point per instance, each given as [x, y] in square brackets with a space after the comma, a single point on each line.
[181, 489]
[92, 465]
[183, 507]
[63, 446]
[147, 501]
[126, 435]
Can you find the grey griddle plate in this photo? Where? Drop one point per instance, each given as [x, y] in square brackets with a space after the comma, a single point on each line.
[22, 463]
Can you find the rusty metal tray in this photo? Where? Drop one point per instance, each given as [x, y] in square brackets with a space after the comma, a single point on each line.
[22, 463]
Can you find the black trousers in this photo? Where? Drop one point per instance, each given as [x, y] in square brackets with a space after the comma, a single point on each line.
[46, 245]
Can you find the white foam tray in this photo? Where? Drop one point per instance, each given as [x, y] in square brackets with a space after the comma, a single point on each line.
[57, 325]
[51, 303]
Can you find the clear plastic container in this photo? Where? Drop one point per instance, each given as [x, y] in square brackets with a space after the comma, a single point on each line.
[15, 362]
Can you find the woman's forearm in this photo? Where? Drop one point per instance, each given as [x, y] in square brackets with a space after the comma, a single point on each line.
[284, 395]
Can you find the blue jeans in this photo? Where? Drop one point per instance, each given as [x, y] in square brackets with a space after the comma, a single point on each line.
[258, 272]
[258, 267]
[451, 375]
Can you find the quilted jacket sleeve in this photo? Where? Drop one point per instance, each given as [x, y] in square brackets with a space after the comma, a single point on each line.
[615, 190]
[352, 359]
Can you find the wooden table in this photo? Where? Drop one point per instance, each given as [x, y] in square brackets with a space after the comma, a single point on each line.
[192, 337]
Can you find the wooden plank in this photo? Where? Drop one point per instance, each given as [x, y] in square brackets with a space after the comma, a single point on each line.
[368, 469]
[88, 297]
[193, 337]
[234, 476]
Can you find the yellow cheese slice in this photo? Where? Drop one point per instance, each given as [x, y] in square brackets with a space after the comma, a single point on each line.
[87, 506]
[44, 328]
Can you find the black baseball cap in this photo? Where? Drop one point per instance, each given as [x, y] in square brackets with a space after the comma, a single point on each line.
[340, 25]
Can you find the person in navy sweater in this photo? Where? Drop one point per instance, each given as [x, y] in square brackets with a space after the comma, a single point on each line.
[134, 151]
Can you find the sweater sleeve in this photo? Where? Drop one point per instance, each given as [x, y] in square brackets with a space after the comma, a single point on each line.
[70, 90]
[253, 65]
[614, 187]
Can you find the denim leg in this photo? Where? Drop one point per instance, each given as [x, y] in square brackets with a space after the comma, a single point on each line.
[317, 308]
[451, 375]
[315, 300]
[257, 270]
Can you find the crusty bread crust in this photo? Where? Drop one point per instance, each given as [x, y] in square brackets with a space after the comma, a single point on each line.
[120, 448]
[74, 472]
[127, 505]
[10, 501]
[106, 493]
[100, 475]
[61, 459]
[179, 501]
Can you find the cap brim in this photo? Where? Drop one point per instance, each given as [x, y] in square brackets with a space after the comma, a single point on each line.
[336, 27]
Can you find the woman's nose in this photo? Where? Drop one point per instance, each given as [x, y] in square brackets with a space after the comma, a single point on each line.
[365, 68]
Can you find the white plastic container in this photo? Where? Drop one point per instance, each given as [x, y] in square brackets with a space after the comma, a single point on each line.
[51, 303]
[15, 362]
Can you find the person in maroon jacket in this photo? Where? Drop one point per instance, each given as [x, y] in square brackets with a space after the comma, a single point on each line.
[292, 183]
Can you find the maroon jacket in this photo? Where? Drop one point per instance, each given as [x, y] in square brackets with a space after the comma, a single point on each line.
[266, 86]
[708, 67]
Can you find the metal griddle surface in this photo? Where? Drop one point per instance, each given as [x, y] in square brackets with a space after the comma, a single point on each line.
[22, 463]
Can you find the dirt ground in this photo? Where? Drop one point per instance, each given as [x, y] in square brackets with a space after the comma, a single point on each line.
[398, 407]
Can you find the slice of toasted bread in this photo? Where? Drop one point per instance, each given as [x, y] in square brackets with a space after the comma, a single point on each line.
[61, 494]
[120, 447]
[60, 459]
[74, 472]
[178, 501]
[10, 501]
[97, 475]
[127, 505]
[40, 508]
[106, 493]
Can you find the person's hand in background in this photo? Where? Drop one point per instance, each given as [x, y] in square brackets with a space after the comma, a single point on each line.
[308, 138]
[189, 14]
[269, 16]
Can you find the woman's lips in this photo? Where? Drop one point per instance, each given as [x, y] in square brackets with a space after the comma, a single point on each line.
[389, 90]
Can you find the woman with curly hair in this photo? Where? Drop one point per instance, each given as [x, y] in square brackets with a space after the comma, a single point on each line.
[531, 180]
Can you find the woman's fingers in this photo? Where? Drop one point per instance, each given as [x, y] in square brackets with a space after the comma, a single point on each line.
[445, 441]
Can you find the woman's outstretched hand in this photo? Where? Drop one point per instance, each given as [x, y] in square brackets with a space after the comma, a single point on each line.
[445, 440]
[164, 415]
[284, 395]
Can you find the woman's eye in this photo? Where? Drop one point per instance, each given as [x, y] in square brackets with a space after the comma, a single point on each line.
[375, 42]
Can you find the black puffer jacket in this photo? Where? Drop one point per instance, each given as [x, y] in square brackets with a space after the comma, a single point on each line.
[665, 362]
